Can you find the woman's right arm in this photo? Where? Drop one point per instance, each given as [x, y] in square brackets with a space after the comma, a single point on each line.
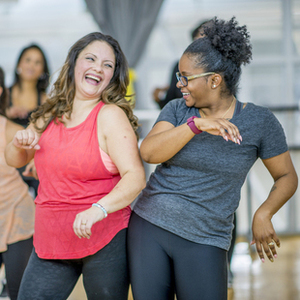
[21, 148]
[165, 140]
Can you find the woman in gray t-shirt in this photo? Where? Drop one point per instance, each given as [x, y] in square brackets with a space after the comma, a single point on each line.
[181, 226]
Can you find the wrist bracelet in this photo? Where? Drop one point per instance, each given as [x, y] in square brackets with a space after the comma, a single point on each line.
[101, 207]
[191, 124]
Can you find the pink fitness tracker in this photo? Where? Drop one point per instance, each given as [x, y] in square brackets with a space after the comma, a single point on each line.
[191, 124]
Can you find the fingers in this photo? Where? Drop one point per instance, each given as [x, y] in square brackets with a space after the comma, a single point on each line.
[26, 139]
[30, 171]
[230, 132]
[84, 221]
[17, 112]
[267, 247]
[264, 236]
[82, 228]
[220, 127]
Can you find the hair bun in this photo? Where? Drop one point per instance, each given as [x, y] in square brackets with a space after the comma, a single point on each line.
[231, 40]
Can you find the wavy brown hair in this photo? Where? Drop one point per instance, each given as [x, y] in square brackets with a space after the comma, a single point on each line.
[62, 94]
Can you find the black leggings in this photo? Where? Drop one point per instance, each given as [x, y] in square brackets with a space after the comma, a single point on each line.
[162, 263]
[15, 259]
[105, 274]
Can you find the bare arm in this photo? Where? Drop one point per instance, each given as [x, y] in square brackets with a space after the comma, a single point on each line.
[285, 184]
[165, 140]
[121, 145]
[117, 138]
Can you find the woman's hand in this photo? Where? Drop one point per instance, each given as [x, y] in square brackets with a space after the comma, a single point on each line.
[17, 112]
[30, 170]
[264, 236]
[26, 139]
[285, 184]
[221, 127]
[85, 220]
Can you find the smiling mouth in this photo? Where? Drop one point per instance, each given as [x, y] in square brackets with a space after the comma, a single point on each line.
[185, 94]
[97, 79]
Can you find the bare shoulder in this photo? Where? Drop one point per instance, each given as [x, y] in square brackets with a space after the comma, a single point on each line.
[111, 110]
[111, 115]
[113, 121]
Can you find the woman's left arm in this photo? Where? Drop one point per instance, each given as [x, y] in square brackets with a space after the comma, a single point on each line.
[285, 184]
[118, 140]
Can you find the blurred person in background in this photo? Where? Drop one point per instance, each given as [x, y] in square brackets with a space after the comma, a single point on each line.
[16, 206]
[28, 91]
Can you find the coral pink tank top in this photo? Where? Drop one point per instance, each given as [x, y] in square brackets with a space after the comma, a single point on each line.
[72, 177]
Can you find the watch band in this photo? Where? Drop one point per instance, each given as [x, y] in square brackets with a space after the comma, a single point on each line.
[191, 124]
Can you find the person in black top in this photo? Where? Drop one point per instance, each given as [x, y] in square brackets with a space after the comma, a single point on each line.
[26, 93]
[31, 80]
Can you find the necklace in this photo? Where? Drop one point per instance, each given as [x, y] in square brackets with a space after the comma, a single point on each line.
[225, 111]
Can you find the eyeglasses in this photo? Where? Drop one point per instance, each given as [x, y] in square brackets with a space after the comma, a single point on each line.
[184, 79]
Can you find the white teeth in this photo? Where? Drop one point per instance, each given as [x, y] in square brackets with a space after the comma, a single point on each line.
[185, 94]
[93, 77]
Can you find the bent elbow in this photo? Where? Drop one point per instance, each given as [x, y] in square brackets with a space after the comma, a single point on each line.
[150, 157]
[146, 155]
[146, 158]
[9, 161]
[296, 182]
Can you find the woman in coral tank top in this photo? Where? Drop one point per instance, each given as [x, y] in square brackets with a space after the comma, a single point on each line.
[84, 143]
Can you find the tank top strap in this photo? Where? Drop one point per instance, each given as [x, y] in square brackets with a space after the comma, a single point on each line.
[91, 120]
[94, 113]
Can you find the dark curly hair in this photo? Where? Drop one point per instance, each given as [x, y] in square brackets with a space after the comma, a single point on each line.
[4, 95]
[61, 96]
[224, 48]
[43, 81]
[199, 30]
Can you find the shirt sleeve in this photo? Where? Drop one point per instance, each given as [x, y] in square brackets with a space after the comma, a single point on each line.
[273, 141]
[168, 113]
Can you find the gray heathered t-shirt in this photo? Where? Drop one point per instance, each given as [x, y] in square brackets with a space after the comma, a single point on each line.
[195, 193]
